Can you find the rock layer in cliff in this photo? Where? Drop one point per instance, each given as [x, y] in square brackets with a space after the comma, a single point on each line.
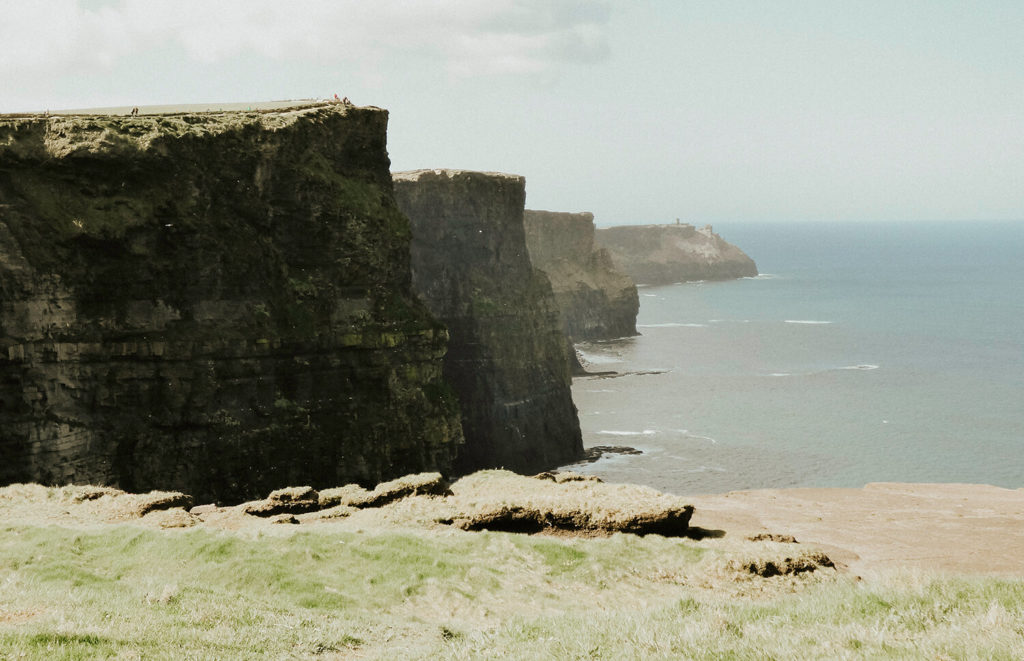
[596, 301]
[665, 254]
[217, 303]
[506, 357]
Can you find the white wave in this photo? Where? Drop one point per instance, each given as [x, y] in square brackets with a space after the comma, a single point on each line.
[780, 374]
[597, 359]
[760, 276]
[671, 325]
[609, 432]
[860, 367]
[650, 295]
[724, 321]
[686, 433]
[807, 321]
[601, 390]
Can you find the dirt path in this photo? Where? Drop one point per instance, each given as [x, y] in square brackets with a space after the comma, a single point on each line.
[964, 528]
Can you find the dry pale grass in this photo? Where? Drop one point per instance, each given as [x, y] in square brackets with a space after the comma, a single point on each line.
[86, 504]
[352, 495]
[395, 581]
[500, 500]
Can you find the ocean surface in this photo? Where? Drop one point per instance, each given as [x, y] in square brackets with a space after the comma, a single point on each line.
[864, 352]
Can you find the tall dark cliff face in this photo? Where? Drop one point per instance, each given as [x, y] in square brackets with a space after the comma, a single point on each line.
[216, 303]
[507, 358]
[664, 254]
[596, 301]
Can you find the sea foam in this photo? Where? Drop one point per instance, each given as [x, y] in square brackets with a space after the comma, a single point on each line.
[646, 432]
[671, 325]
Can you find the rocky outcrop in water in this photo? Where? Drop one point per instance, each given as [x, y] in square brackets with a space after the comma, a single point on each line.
[507, 353]
[216, 303]
[665, 254]
[596, 300]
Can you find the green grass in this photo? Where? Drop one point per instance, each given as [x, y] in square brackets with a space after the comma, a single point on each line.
[124, 592]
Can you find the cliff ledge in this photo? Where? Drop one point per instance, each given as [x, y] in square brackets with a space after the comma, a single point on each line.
[216, 303]
[507, 355]
[596, 300]
[665, 254]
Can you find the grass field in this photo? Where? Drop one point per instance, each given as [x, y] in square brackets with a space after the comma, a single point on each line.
[94, 573]
[126, 592]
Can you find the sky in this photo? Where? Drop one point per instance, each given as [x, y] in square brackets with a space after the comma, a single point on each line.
[711, 111]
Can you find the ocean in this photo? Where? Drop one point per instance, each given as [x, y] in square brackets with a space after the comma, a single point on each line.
[864, 352]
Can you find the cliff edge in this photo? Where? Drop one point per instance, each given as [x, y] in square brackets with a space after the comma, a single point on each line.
[665, 254]
[596, 300]
[216, 303]
[507, 354]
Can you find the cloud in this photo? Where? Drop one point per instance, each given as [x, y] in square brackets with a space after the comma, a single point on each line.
[466, 37]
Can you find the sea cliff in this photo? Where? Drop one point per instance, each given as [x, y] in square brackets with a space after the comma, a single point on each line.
[665, 254]
[507, 354]
[596, 301]
[217, 303]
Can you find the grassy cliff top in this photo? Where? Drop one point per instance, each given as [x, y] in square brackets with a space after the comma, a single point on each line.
[450, 173]
[112, 132]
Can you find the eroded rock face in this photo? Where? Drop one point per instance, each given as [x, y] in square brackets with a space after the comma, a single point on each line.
[215, 303]
[507, 355]
[596, 300]
[665, 254]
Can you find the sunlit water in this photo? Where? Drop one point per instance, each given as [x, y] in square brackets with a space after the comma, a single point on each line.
[864, 352]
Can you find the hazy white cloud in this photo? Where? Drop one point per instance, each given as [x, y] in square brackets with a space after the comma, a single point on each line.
[468, 37]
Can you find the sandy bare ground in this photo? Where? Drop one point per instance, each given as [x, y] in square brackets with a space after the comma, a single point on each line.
[960, 528]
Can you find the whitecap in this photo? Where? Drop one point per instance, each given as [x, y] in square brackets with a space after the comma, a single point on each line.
[597, 359]
[760, 276]
[780, 374]
[686, 433]
[671, 325]
[807, 321]
[860, 367]
[610, 432]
